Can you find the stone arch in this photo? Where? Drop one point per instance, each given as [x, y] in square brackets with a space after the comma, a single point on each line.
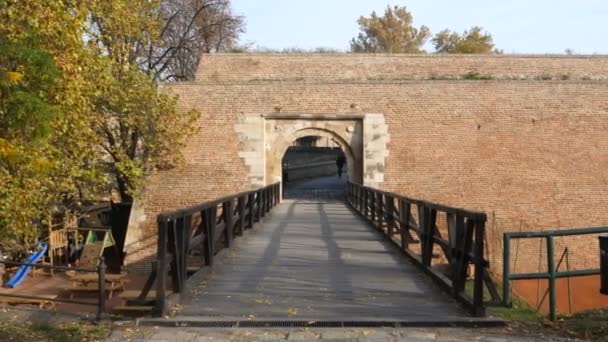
[265, 138]
[354, 162]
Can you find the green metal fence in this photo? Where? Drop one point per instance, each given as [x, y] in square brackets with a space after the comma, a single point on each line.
[551, 274]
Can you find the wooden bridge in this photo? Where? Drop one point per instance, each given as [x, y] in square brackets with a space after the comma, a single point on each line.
[370, 258]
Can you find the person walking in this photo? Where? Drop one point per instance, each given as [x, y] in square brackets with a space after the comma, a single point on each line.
[340, 161]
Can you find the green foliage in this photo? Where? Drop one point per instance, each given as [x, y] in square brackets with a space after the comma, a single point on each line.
[79, 108]
[393, 33]
[139, 126]
[18, 331]
[27, 76]
[472, 41]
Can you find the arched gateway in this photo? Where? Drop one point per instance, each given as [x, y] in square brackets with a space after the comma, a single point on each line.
[265, 138]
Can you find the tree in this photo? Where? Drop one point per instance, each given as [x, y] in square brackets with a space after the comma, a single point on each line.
[54, 159]
[139, 126]
[472, 41]
[393, 33]
[189, 29]
[27, 75]
[55, 144]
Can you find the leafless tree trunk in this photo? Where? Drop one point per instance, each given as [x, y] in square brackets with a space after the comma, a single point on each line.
[191, 27]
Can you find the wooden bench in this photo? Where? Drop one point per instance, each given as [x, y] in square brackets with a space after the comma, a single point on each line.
[31, 301]
[93, 277]
[134, 294]
[133, 308]
[110, 288]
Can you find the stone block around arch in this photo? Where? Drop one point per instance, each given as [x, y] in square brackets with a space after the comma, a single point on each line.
[264, 138]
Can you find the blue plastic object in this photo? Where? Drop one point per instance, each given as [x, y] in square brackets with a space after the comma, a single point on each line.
[24, 270]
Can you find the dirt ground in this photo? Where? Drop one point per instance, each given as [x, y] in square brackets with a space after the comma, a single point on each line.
[573, 295]
[45, 284]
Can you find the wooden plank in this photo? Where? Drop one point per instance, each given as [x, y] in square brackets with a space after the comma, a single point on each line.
[317, 261]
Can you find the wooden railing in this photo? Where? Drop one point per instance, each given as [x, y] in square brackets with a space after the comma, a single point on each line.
[206, 228]
[413, 225]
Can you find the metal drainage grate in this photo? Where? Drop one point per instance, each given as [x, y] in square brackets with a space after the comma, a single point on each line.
[200, 324]
[323, 324]
[290, 324]
[370, 324]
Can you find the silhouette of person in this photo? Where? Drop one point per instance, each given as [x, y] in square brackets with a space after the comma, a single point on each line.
[340, 161]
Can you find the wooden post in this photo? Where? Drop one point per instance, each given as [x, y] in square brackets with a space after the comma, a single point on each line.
[258, 203]
[405, 216]
[229, 227]
[361, 199]
[251, 204]
[372, 209]
[187, 229]
[479, 310]
[209, 216]
[389, 204]
[160, 307]
[380, 209]
[423, 222]
[174, 241]
[101, 283]
[241, 209]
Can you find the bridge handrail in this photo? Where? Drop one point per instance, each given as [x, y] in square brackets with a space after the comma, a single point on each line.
[209, 227]
[391, 213]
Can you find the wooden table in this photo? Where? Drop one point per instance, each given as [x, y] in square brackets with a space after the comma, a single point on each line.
[87, 282]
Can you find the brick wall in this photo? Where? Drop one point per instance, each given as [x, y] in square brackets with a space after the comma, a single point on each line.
[531, 153]
[363, 67]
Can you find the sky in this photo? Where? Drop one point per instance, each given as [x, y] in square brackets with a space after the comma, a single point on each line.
[518, 26]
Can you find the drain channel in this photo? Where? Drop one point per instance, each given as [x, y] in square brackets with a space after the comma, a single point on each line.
[321, 324]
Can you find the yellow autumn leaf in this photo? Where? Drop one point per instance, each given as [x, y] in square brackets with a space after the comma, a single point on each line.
[292, 311]
[14, 77]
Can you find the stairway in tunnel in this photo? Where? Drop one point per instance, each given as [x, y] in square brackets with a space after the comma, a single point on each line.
[316, 261]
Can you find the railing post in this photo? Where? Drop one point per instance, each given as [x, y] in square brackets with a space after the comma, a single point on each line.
[251, 204]
[228, 221]
[479, 267]
[389, 204]
[404, 217]
[209, 216]
[425, 232]
[264, 201]
[506, 270]
[101, 284]
[185, 243]
[365, 203]
[174, 237]
[277, 194]
[372, 206]
[360, 192]
[241, 208]
[161, 260]
[258, 202]
[380, 208]
[551, 267]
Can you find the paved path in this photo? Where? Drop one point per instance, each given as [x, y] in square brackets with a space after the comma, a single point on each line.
[321, 188]
[316, 261]
[160, 334]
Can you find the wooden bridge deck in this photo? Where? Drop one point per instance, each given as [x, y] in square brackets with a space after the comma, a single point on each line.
[316, 261]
